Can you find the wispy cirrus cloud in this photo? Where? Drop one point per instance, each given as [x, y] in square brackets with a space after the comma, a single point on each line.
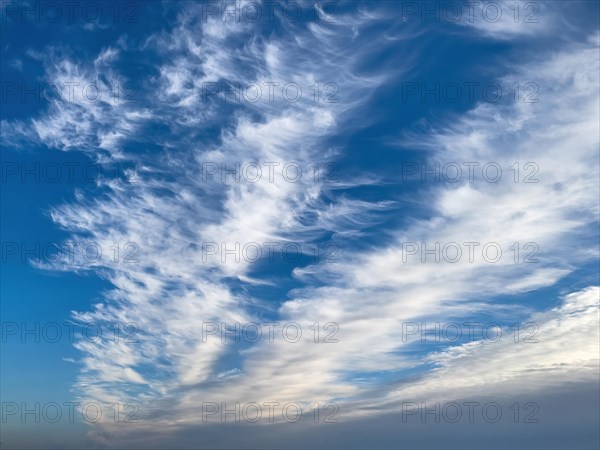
[173, 209]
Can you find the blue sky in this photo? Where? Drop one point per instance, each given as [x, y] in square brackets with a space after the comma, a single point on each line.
[400, 145]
